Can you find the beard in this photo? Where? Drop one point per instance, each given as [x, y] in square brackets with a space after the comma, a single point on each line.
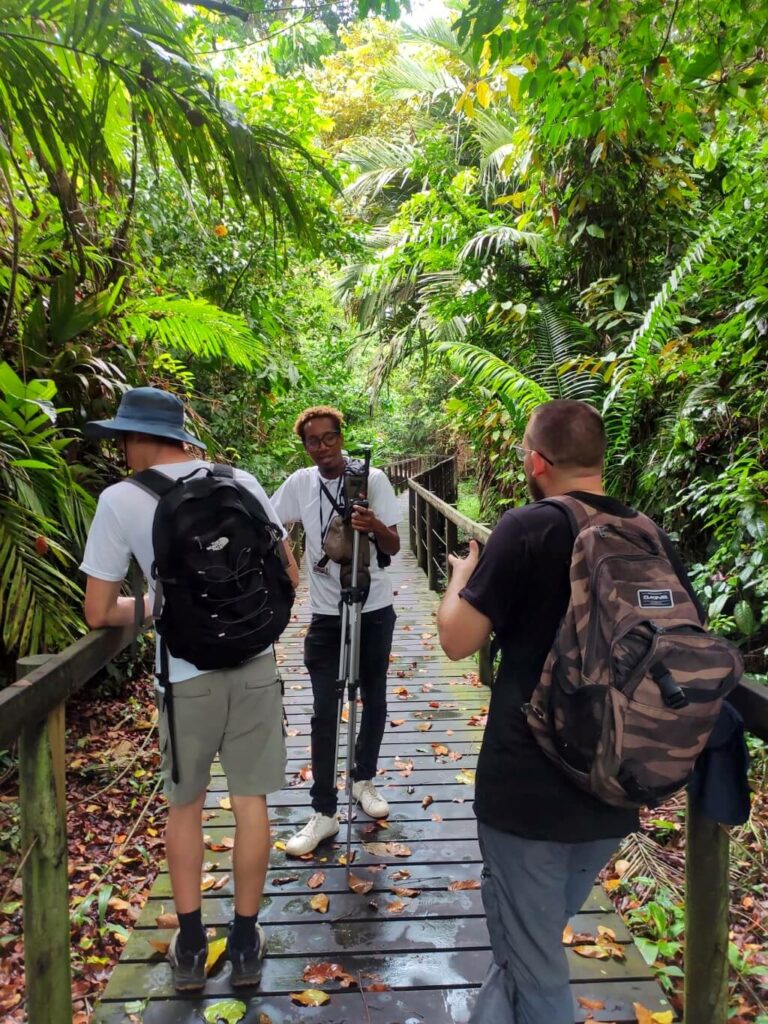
[534, 489]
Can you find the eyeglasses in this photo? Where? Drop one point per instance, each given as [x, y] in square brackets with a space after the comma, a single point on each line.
[329, 439]
[521, 452]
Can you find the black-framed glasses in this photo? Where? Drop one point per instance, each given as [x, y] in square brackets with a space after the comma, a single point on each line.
[329, 439]
[521, 451]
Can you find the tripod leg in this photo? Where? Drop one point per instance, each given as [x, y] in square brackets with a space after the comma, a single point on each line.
[344, 651]
[355, 612]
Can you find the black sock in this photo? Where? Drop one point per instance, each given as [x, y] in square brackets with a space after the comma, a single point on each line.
[192, 938]
[243, 934]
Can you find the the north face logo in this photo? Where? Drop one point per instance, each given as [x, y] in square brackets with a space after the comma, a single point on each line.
[218, 545]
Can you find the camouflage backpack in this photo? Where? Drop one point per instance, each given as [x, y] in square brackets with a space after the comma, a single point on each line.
[633, 684]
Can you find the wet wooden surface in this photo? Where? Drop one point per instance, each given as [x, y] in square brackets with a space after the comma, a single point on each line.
[430, 954]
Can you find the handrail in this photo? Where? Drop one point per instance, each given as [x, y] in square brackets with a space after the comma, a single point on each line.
[32, 710]
[433, 525]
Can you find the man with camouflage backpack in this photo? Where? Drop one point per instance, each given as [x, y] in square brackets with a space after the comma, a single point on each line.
[220, 576]
[607, 690]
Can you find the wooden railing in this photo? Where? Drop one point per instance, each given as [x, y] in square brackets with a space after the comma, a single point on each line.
[435, 527]
[32, 712]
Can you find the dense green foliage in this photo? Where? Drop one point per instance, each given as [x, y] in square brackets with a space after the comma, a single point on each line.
[445, 224]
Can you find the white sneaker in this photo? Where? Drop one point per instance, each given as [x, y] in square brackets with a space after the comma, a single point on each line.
[318, 828]
[373, 803]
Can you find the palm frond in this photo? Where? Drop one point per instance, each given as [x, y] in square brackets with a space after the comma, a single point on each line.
[556, 348]
[519, 393]
[438, 32]
[498, 238]
[405, 78]
[380, 164]
[195, 326]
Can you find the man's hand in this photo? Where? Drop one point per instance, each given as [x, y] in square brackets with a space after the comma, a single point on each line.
[464, 567]
[365, 521]
[462, 629]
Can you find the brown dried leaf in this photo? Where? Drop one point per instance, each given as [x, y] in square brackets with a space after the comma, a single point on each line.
[395, 722]
[167, 921]
[285, 880]
[424, 727]
[590, 1004]
[321, 974]
[388, 849]
[406, 892]
[320, 903]
[359, 885]
[469, 883]
[207, 882]
[400, 875]
[220, 883]
[395, 907]
[159, 945]
[427, 801]
[593, 952]
[311, 997]
[316, 880]
[440, 749]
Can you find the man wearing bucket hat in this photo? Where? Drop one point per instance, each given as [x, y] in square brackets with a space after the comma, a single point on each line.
[233, 711]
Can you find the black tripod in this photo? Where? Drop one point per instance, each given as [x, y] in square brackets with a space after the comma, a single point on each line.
[352, 599]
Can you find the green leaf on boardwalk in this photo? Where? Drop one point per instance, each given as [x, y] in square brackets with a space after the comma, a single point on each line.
[228, 1010]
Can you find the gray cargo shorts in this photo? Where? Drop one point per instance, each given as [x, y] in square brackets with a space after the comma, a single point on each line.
[236, 713]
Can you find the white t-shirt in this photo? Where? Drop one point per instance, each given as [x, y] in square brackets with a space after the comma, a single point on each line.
[122, 527]
[300, 499]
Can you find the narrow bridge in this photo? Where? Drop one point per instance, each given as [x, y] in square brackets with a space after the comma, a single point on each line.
[413, 949]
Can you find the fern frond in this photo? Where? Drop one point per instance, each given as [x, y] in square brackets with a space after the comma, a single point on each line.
[194, 326]
[379, 164]
[519, 394]
[555, 350]
[404, 79]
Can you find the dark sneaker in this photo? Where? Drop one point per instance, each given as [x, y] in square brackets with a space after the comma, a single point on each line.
[188, 968]
[247, 963]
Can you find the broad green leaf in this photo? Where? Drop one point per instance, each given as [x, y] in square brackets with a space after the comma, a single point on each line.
[228, 1010]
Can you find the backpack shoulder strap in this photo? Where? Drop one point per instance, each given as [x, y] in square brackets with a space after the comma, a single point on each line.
[219, 469]
[152, 482]
[577, 512]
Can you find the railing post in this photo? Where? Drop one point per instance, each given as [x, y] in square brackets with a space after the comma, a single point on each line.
[421, 547]
[707, 849]
[412, 519]
[45, 889]
[431, 553]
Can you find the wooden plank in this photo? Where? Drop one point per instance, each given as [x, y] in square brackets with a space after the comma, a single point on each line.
[419, 1006]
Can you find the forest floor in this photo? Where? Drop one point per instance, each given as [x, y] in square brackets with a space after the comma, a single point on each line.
[116, 817]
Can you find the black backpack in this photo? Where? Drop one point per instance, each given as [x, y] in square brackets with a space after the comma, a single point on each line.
[223, 592]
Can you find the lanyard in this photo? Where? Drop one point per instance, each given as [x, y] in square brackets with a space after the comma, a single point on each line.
[325, 527]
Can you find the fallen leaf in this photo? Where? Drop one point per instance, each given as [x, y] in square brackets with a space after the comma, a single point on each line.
[216, 951]
[469, 883]
[395, 907]
[400, 875]
[228, 1010]
[593, 952]
[568, 935]
[319, 974]
[427, 801]
[160, 945]
[590, 1004]
[395, 722]
[117, 904]
[388, 849]
[167, 921]
[305, 773]
[609, 933]
[377, 986]
[359, 885]
[320, 903]
[409, 893]
[311, 997]
[466, 777]
[316, 880]
[611, 884]
[264, 1018]
[225, 803]
[646, 1016]
[439, 749]
[207, 882]
[221, 883]
[434, 703]
[437, 817]
[424, 727]
[621, 867]
[285, 879]
[402, 692]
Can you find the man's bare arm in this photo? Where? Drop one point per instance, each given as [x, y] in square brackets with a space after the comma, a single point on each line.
[105, 607]
[462, 629]
[366, 521]
[291, 568]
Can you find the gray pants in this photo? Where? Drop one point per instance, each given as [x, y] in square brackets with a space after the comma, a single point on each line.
[530, 889]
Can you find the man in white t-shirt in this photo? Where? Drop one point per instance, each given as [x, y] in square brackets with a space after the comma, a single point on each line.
[234, 712]
[308, 496]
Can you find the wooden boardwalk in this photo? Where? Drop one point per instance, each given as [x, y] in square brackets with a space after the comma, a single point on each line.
[414, 959]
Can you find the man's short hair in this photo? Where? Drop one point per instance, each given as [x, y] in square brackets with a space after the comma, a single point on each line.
[315, 412]
[568, 432]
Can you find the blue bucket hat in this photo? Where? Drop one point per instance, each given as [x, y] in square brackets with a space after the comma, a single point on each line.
[145, 411]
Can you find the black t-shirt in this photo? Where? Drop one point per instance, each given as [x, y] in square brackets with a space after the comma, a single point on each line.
[522, 584]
